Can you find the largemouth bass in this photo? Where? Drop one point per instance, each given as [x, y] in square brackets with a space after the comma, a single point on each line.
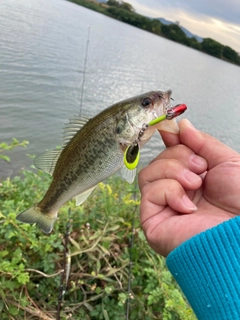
[93, 150]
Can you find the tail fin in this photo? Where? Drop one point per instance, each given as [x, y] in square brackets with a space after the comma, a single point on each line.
[33, 215]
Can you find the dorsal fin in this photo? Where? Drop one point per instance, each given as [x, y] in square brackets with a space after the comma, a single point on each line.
[47, 160]
[72, 127]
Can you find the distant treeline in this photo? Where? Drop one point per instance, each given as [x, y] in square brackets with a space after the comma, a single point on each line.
[124, 12]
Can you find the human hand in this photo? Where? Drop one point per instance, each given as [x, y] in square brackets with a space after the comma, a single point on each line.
[189, 188]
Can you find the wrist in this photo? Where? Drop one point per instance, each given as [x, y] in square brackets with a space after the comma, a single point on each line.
[207, 269]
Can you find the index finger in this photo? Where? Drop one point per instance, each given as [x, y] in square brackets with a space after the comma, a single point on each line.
[206, 146]
[169, 138]
[169, 131]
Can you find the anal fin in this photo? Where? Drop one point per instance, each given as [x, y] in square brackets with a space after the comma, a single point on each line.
[83, 196]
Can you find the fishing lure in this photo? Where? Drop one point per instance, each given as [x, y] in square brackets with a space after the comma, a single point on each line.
[132, 153]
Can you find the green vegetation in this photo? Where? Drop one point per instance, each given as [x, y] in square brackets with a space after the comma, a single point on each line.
[31, 262]
[7, 147]
[124, 12]
[121, 5]
[231, 55]
[175, 33]
[212, 47]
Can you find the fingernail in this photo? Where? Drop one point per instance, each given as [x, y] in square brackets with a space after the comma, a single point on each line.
[197, 160]
[190, 176]
[188, 203]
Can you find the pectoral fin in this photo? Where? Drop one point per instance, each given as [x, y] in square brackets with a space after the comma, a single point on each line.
[128, 175]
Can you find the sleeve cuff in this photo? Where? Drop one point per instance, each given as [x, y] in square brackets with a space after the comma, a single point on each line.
[207, 268]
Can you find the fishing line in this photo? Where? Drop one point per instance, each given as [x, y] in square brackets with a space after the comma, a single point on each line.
[84, 70]
[129, 295]
[67, 253]
[66, 268]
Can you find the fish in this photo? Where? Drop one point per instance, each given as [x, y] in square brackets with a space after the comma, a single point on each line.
[93, 150]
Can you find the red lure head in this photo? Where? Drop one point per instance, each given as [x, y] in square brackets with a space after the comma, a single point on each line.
[176, 111]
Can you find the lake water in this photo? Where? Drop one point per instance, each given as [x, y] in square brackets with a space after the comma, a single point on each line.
[43, 44]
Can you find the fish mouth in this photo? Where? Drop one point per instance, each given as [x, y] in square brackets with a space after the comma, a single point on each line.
[167, 96]
[165, 103]
[161, 102]
[161, 105]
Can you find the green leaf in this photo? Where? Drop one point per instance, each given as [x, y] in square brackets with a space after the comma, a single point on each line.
[3, 253]
[13, 310]
[1, 305]
[105, 314]
[2, 215]
[3, 145]
[4, 157]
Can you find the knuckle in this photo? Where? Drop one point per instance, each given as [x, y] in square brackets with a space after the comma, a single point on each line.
[142, 177]
[171, 186]
[146, 191]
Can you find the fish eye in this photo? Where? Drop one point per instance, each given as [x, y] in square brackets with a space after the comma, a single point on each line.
[147, 102]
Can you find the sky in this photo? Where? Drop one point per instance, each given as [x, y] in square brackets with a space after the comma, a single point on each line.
[216, 19]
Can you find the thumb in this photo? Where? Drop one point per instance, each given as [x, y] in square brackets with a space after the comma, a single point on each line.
[204, 145]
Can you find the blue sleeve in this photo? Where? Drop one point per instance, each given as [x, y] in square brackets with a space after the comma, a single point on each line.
[207, 268]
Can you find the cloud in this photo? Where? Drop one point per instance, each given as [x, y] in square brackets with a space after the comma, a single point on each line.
[216, 19]
[228, 11]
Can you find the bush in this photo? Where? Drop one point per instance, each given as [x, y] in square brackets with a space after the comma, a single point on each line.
[175, 33]
[231, 55]
[212, 47]
[31, 262]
